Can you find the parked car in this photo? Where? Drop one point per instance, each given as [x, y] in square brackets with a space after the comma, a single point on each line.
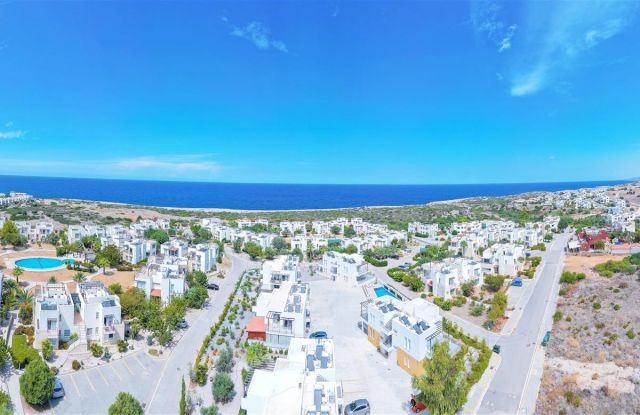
[318, 335]
[183, 324]
[496, 348]
[58, 390]
[358, 407]
[213, 286]
[546, 338]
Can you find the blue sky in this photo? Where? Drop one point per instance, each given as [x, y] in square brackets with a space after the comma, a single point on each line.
[331, 92]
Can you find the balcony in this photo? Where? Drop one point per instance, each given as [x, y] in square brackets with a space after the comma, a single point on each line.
[277, 329]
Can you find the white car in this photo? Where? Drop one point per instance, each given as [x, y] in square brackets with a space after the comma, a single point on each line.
[58, 390]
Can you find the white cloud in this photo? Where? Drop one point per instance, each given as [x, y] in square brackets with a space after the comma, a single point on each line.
[8, 135]
[259, 35]
[187, 166]
[505, 43]
[487, 20]
[558, 36]
[180, 163]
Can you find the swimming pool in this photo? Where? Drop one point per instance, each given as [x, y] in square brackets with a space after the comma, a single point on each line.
[382, 291]
[42, 263]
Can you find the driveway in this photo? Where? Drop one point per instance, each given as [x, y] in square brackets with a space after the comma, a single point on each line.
[364, 373]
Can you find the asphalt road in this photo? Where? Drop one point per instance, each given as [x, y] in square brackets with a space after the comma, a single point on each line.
[166, 394]
[512, 383]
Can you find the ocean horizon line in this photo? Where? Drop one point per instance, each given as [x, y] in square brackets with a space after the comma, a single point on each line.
[623, 180]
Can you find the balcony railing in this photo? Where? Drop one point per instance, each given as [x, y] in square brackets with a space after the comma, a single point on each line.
[280, 330]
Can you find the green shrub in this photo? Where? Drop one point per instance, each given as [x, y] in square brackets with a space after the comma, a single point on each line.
[597, 306]
[557, 316]
[123, 345]
[75, 365]
[631, 334]
[476, 310]
[571, 277]
[222, 388]
[22, 354]
[572, 398]
[563, 292]
[96, 350]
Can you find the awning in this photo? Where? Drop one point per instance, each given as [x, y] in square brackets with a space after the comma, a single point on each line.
[156, 292]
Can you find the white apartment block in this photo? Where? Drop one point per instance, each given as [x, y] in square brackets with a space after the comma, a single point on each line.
[14, 198]
[302, 383]
[53, 314]
[174, 248]
[444, 278]
[409, 328]
[286, 313]
[35, 231]
[163, 279]
[503, 259]
[203, 257]
[100, 311]
[351, 268]
[138, 250]
[283, 268]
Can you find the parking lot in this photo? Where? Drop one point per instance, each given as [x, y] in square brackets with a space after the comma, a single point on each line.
[365, 373]
[92, 391]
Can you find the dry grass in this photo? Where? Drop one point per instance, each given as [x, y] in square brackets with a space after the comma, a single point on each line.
[590, 358]
[124, 278]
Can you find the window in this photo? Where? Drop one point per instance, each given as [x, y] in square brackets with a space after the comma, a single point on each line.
[97, 315]
[89, 331]
[67, 333]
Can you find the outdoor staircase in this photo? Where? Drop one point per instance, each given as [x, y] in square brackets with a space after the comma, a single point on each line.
[82, 337]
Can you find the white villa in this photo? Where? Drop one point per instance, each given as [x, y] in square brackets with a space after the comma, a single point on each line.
[286, 313]
[53, 314]
[344, 267]
[162, 278]
[410, 329]
[283, 268]
[302, 383]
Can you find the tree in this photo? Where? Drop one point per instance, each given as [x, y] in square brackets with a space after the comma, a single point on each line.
[222, 388]
[443, 386]
[112, 254]
[599, 245]
[298, 252]
[175, 311]
[131, 301]
[52, 280]
[79, 277]
[493, 283]
[183, 400]
[209, 410]
[196, 296]
[498, 306]
[349, 232]
[467, 288]
[103, 263]
[125, 404]
[351, 249]
[200, 279]
[4, 353]
[335, 230]
[17, 272]
[36, 383]
[225, 361]
[47, 349]
[269, 252]
[256, 354]
[237, 245]
[280, 244]
[253, 250]
[158, 235]
[115, 288]
[9, 234]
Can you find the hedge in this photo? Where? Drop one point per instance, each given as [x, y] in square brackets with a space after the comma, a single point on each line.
[375, 262]
[479, 366]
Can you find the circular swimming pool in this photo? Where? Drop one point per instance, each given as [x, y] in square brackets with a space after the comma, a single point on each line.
[42, 263]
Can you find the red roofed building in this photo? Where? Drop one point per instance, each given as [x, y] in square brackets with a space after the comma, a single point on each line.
[588, 238]
[257, 329]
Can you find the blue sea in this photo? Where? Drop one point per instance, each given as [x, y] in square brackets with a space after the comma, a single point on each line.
[265, 196]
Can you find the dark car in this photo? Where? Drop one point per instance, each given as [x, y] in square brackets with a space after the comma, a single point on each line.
[358, 407]
[213, 286]
[496, 349]
[318, 335]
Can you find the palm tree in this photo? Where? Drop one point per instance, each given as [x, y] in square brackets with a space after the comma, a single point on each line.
[79, 277]
[17, 272]
[23, 297]
[52, 280]
[9, 285]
